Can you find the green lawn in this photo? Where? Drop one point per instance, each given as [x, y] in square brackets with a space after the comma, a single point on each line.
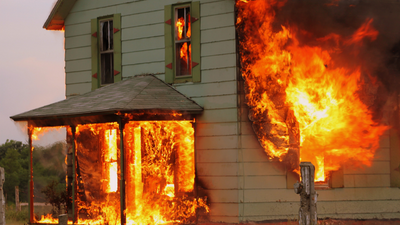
[19, 218]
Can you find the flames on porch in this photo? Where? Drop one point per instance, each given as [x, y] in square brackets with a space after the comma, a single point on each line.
[131, 154]
[158, 173]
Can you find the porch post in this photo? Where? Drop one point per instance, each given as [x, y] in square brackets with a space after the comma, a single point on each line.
[122, 168]
[30, 132]
[74, 214]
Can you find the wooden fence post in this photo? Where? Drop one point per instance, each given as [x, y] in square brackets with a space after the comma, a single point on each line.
[17, 205]
[308, 196]
[2, 200]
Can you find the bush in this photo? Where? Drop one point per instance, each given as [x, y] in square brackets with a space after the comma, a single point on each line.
[56, 195]
[12, 214]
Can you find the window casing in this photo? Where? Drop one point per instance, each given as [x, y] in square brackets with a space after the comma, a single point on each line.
[182, 43]
[106, 50]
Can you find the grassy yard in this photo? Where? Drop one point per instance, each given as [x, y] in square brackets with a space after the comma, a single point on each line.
[19, 218]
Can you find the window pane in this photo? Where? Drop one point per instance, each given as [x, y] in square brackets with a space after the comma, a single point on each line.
[107, 68]
[111, 34]
[183, 59]
[104, 36]
[180, 24]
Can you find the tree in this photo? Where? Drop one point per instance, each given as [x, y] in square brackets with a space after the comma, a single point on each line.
[13, 172]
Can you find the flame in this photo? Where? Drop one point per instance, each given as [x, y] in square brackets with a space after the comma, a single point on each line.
[185, 52]
[159, 173]
[37, 132]
[179, 25]
[189, 31]
[301, 99]
[111, 158]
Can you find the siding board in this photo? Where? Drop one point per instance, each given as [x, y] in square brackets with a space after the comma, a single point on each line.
[78, 41]
[208, 89]
[143, 19]
[216, 129]
[224, 156]
[265, 182]
[263, 168]
[78, 89]
[219, 34]
[217, 169]
[218, 183]
[143, 32]
[218, 75]
[217, 142]
[218, 115]
[219, 61]
[78, 77]
[217, 21]
[215, 8]
[78, 53]
[78, 65]
[216, 102]
[143, 44]
[146, 68]
[218, 48]
[143, 57]
[77, 29]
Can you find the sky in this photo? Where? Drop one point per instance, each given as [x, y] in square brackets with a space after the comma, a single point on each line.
[31, 64]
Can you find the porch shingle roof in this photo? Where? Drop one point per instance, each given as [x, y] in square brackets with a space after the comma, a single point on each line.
[143, 93]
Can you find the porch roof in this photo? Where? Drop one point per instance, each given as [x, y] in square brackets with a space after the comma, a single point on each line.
[143, 97]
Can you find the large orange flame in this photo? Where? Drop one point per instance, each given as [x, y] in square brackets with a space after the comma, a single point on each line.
[299, 96]
[159, 173]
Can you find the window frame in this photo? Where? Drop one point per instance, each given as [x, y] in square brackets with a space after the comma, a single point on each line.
[170, 17]
[95, 47]
[101, 51]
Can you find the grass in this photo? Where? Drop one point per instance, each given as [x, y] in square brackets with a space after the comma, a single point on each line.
[19, 218]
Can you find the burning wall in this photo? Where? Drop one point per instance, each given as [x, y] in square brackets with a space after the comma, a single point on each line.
[315, 75]
[158, 173]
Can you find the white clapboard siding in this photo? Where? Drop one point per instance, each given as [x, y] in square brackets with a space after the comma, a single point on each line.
[241, 182]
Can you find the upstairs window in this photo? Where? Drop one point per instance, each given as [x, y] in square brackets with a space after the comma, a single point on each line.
[182, 42]
[183, 45]
[106, 52]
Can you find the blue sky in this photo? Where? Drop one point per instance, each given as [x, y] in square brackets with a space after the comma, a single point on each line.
[31, 62]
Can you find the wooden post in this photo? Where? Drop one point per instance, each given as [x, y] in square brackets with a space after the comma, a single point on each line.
[2, 200]
[17, 205]
[122, 168]
[63, 219]
[308, 196]
[74, 209]
[31, 216]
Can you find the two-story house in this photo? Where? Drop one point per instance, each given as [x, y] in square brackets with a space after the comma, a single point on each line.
[144, 77]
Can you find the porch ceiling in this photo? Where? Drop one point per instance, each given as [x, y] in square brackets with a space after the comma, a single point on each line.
[144, 96]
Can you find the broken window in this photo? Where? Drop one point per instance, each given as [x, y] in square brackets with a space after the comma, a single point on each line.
[183, 47]
[106, 52]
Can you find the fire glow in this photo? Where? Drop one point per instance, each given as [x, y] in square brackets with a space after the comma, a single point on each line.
[185, 52]
[159, 173]
[300, 99]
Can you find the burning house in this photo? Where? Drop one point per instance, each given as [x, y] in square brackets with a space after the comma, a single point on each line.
[201, 111]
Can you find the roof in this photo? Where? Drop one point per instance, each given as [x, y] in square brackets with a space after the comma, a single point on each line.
[145, 96]
[60, 11]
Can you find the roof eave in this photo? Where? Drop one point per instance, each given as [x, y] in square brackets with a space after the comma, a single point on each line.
[109, 116]
[60, 11]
